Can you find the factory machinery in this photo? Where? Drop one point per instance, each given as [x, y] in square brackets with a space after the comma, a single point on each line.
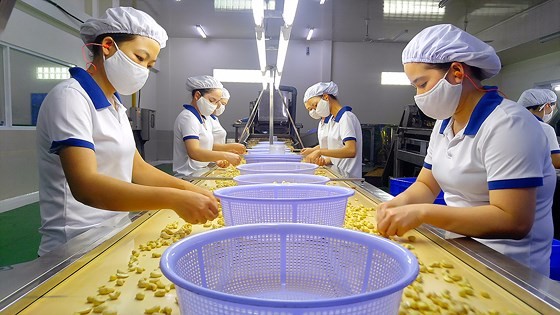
[116, 270]
[272, 114]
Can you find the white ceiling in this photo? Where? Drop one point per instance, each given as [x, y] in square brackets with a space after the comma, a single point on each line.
[337, 20]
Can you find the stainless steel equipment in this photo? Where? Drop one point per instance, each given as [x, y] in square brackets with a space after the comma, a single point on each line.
[143, 123]
[413, 136]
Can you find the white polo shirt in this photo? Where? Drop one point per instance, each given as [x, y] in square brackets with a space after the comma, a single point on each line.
[190, 125]
[500, 148]
[77, 113]
[345, 126]
[323, 132]
[551, 136]
[219, 133]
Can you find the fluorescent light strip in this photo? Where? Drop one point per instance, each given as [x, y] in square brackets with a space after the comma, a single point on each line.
[258, 12]
[261, 50]
[310, 33]
[238, 76]
[322, 2]
[282, 51]
[201, 31]
[394, 78]
[289, 14]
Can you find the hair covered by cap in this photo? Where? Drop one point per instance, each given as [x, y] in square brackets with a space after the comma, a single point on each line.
[535, 97]
[225, 93]
[124, 20]
[320, 88]
[203, 82]
[447, 43]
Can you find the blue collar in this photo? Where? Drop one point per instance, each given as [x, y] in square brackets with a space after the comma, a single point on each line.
[195, 112]
[489, 101]
[214, 117]
[538, 118]
[341, 112]
[326, 120]
[93, 90]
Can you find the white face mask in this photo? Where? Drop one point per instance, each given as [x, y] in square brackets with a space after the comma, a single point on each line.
[125, 75]
[314, 115]
[323, 108]
[205, 107]
[220, 110]
[547, 117]
[441, 101]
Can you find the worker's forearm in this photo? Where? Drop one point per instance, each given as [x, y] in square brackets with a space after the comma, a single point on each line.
[342, 153]
[483, 222]
[105, 192]
[146, 174]
[203, 155]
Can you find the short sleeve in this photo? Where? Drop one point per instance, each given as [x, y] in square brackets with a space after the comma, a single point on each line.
[512, 154]
[69, 120]
[429, 154]
[347, 130]
[552, 139]
[189, 127]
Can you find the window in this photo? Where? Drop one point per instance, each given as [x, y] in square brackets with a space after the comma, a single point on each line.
[40, 76]
[394, 78]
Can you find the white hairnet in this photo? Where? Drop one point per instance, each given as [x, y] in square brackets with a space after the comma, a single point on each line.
[203, 82]
[225, 93]
[535, 97]
[446, 43]
[320, 89]
[123, 20]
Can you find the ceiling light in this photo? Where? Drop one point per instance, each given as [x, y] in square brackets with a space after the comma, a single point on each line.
[322, 2]
[394, 78]
[282, 49]
[556, 88]
[310, 33]
[290, 7]
[261, 50]
[201, 31]
[238, 75]
[258, 11]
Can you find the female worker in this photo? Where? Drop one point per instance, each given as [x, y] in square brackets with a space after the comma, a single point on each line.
[497, 177]
[87, 156]
[324, 122]
[541, 103]
[193, 143]
[344, 140]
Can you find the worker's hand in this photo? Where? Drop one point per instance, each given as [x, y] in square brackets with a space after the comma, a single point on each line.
[314, 157]
[195, 207]
[236, 148]
[307, 151]
[232, 158]
[398, 220]
[322, 161]
[222, 163]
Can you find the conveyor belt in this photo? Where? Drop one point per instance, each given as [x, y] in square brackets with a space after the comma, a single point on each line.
[67, 291]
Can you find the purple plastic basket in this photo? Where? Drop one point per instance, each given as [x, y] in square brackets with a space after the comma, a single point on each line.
[267, 157]
[280, 178]
[277, 167]
[288, 269]
[274, 203]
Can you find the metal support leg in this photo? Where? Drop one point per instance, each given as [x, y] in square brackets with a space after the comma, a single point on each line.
[291, 120]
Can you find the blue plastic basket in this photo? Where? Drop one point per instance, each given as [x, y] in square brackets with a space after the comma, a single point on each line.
[555, 260]
[277, 167]
[398, 185]
[288, 269]
[274, 203]
[267, 157]
[280, 178]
